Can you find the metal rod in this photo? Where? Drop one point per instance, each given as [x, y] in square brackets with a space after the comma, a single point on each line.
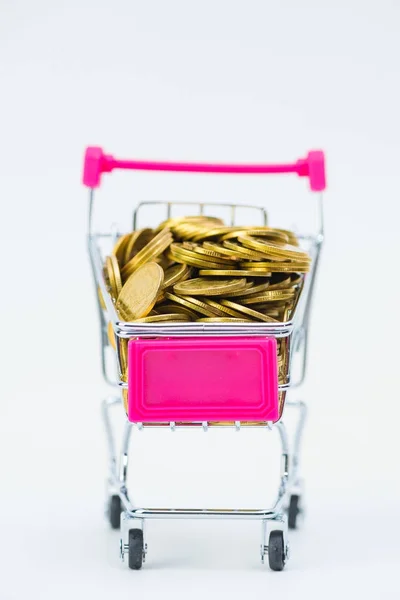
[202, 513]
[123, 463]
[96, 283]
[105, 407]
[298, 436]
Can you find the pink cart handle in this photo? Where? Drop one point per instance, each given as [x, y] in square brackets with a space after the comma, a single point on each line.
[96, 163]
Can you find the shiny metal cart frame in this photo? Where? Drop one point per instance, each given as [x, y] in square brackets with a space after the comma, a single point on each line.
[283, 514]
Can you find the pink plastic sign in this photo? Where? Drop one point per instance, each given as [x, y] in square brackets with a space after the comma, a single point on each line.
[202, 379]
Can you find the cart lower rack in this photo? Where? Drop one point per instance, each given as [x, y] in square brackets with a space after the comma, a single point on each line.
[153, 396]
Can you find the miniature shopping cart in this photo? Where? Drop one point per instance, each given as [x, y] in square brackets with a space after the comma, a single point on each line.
[237, 363]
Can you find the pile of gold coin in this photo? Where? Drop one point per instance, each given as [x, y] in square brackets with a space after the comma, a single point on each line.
[198, 269]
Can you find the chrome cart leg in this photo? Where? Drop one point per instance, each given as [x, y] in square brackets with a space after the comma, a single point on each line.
[113, 502]
[103, 324]
[105, 407]
[283, 487]
[274, 531]
[123, 465]
[132, 528]
[298, 435]
[295, 507]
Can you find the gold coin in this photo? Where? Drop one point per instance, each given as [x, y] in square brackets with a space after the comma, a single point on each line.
[165, 317]
[209, 219]
[101, 299]
[268, 306]
[204, 286]
[296, 279]
[213, 232]
[275, 295]
[233, 273]
[192, 303]
[270, 248]
[223, 320]
[181, 254]
[206, 255]
[271, 312]
[196, 262]
[244, 253]
[185, 231]
[114, 275]
[177, 308]
[280, 282]
[252, 289]
[140, 292]
[125, 399]
[119, 247]
[148, 254]
[137, 240]
[267, 232]
[276, 235]
[160, 297]
[217, 248]
[248, 311]
[123, 356]
[279, 267]
[266, 297]
[168, 224]
[275, 261]
[176, 274]
[153, 249]
[109, 278]
[191, 228]
[231, 235]
[222, 310]
[111, 335]
[164, 261]
[291, 236]
[117, 273]
[160, 238]
[286, 314]
[213, 253]
[192, 219]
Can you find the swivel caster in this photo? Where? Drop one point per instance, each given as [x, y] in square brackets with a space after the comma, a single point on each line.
[114, 511]
[135, 548]
[275, 543]
[294, 510]
[277, 553]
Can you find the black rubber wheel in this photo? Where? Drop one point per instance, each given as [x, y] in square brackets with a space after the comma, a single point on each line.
[276, 551]
[293, 511]
[114, 511]
[135, 548]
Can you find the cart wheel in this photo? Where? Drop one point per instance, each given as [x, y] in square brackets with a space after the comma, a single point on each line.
[114, 511]
[276, 551]
[293, 511]
[136, 548]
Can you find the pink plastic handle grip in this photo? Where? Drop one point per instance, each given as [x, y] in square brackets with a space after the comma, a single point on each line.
[96, 163]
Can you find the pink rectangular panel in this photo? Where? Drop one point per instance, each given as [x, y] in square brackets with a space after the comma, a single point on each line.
[202, 379]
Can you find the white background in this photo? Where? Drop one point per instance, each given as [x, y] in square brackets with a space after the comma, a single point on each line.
[210, 80]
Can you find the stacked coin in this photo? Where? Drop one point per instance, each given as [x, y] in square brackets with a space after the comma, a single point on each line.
[198, 269]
